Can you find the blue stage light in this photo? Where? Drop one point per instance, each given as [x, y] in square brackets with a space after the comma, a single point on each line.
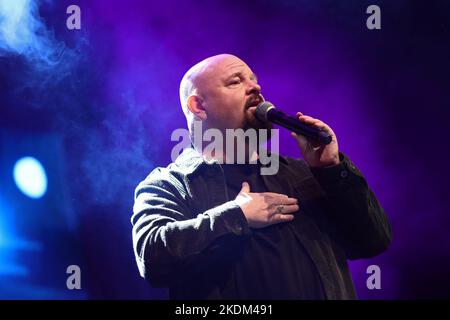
[30, 177]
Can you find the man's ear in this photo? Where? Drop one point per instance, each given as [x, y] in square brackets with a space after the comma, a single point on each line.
[195, 105]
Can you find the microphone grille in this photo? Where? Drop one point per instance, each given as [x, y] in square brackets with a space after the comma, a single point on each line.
[262, 109]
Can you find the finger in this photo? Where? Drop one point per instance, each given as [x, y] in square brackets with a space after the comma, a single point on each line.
[281, 199]
[285, 209]
[274, 194]
[245, 187]
[317, 123]
[302, 141]
[287, 201]
[298, 114]
[275, 208]
[307, 119]
[281, 218]
[314, 121]
[325, 127]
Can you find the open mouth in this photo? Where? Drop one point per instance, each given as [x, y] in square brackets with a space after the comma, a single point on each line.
[253, 103]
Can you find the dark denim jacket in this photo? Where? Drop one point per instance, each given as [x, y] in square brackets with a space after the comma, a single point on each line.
[182, 214]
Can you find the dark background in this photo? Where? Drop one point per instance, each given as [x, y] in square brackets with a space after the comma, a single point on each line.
[97, 106]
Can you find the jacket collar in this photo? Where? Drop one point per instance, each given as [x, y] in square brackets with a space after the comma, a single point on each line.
[190, 161]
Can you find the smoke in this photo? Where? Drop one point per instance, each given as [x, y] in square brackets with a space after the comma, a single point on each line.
[115, 157]
[24, 34]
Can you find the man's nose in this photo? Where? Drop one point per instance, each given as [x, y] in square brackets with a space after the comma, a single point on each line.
[253, 87]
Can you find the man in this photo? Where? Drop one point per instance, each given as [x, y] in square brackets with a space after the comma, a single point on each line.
[207, 229]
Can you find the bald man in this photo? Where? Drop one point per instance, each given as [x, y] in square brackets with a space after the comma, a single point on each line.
[207, 228]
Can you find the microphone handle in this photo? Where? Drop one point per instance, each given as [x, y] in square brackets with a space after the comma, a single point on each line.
[293, 124]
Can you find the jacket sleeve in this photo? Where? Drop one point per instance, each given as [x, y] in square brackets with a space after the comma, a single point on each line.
[357, 219]
[166, 238]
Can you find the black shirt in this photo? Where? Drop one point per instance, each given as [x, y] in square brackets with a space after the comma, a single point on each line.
[273, 264]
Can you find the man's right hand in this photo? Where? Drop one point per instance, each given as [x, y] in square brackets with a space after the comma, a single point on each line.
[266, 208]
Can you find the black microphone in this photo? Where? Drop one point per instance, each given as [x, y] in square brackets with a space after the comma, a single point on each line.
[266, 112]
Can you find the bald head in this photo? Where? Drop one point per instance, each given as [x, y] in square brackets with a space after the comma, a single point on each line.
[196, 78]
[219, 91]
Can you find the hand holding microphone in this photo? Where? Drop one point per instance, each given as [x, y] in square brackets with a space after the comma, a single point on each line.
[317, 141]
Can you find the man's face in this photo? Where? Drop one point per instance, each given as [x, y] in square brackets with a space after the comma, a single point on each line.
[230, 94]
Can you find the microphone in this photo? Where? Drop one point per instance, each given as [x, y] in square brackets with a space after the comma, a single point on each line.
[266, 112]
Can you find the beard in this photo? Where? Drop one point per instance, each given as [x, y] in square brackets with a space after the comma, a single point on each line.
[252, 122]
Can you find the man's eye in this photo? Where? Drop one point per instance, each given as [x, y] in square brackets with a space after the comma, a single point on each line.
[235, 81]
